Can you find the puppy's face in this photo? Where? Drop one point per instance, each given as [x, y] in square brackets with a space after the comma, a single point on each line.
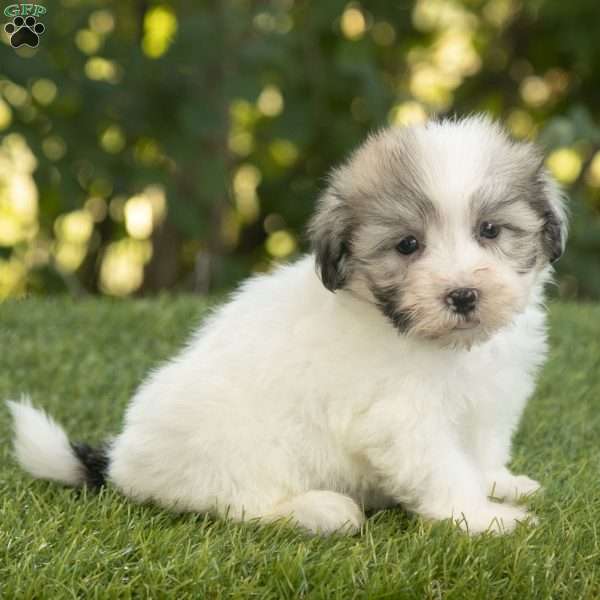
[446, 227]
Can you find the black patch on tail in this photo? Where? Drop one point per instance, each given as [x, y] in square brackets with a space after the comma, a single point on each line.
[95, 461]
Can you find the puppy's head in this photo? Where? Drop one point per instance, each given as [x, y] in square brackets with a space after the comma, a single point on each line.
[446, 227]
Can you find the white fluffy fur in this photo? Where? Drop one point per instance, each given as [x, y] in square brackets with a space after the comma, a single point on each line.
[41, 446]
[292, 401]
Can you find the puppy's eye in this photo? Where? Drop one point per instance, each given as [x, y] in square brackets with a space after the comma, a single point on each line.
[488, 230]
[408, 245]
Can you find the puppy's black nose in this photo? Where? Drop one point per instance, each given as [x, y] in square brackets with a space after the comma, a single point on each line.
[463, 300]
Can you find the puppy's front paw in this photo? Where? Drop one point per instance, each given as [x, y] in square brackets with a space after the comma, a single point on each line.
[493, 517]
[504, 485]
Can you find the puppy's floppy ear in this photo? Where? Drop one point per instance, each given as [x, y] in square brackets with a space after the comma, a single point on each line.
[329, 232]
[554, 213]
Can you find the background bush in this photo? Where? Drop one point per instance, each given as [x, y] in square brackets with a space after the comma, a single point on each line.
[182, 145]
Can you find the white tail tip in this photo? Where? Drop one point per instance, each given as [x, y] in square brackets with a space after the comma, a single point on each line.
[41, 445]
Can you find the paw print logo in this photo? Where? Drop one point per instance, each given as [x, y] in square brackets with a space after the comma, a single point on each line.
[24, 32]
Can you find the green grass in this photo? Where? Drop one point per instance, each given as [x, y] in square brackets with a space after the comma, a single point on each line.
[83, 360]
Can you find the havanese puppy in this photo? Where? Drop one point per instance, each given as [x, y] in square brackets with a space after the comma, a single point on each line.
[393, 373]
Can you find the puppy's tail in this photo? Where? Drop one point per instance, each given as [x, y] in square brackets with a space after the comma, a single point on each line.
[43, 449]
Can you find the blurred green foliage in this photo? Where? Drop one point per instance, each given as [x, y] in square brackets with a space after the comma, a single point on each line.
[149, 145]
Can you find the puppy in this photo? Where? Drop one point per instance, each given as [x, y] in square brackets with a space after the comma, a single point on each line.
[394, 373]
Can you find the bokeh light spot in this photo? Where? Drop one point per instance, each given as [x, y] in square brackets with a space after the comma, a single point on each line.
[407, 113]
[245, 181]
[264, 21]
[281, 244]
[18, 191]
[240, 142]
[432, 86]
[455, 54]
[122, 268]
[242, 112]
[352, 23]
[147, 151]
[144, 211]
[565, 164]
[499, 12]
[160, 27]
[101, 69]
[15, 94]
[87, 41]
[270, 101]
[102, 22]
[535, 91]
[112, 139]
[284, 152]
[138, 217]
[521, 124]
[431, 15]
[44, 91]
[54, 147]
[75, 227]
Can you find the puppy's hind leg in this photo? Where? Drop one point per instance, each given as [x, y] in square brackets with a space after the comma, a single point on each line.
[320, 511]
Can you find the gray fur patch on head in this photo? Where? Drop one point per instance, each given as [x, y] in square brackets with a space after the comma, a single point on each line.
[519, 174]
[388, 301]
[330, 231]
[551, 205]
[508, 204]
[370, 198]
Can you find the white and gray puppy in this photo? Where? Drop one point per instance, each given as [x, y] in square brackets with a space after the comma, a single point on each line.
[403, 386]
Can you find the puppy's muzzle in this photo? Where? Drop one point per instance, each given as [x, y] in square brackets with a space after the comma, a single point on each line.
[463, 300]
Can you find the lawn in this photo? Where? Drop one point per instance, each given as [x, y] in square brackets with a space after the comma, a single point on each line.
[82, 361]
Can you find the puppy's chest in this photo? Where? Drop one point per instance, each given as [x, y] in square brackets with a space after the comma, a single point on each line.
[499, 373]
[466, 389]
